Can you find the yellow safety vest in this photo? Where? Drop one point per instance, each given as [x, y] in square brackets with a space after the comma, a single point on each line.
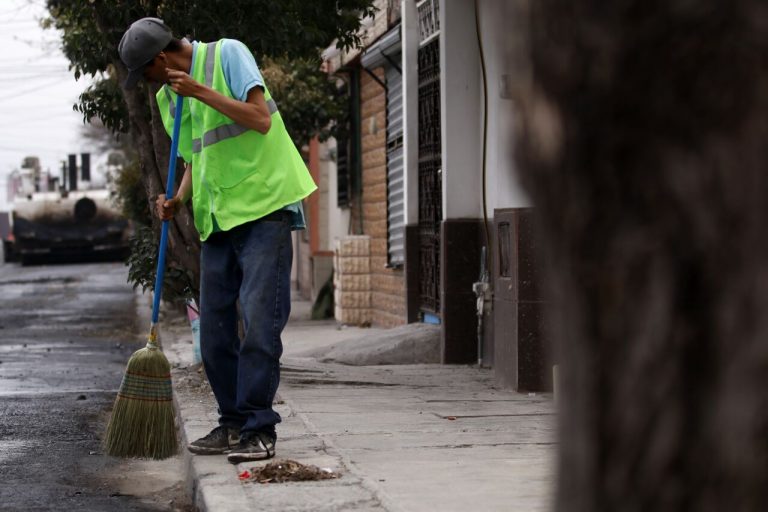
[238, 174]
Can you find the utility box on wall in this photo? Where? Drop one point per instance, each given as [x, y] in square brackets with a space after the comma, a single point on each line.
[522, 358]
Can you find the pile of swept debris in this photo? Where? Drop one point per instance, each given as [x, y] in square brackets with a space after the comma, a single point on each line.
[281, 471]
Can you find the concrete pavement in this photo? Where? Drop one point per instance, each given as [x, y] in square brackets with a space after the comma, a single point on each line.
[404, 438]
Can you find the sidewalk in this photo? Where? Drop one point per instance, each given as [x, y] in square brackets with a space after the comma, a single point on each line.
[404, 438]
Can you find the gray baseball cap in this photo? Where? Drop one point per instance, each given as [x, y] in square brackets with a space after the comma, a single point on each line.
[143, 40]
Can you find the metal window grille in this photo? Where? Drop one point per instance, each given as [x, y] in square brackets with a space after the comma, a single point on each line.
[429, 20]
[430, 180]
[342, 171]
[345, 148]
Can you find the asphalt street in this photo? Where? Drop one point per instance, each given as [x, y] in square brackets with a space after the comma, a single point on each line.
[66, 333]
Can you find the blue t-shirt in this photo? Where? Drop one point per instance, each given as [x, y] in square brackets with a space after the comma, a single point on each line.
[242, 74]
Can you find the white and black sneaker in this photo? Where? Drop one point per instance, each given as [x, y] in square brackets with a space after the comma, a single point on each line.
[253, 446]
[220, 440]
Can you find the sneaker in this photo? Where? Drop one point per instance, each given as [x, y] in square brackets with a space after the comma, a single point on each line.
[220, 440]
[254, 446]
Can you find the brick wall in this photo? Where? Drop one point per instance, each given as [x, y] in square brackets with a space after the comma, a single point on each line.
[370, 30]
[387, 284]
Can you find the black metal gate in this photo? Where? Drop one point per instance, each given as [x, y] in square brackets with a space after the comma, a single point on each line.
[430, 182]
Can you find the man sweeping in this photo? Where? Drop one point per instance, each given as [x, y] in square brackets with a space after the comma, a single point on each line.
[246, 180]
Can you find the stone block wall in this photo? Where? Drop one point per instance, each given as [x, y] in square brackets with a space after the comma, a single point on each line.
[352, 280]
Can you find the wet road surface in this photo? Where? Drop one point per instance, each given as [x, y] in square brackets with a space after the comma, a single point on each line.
[66, 333]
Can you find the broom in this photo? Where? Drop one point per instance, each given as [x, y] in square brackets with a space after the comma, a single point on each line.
[142, 423]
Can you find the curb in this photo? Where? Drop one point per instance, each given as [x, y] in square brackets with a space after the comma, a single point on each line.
[196, 476]
[212, 483]
[197, 472]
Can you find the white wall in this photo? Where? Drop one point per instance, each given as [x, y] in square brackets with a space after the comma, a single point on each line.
[334, 221]
[502, 26]
[410, 66]
[461, 111]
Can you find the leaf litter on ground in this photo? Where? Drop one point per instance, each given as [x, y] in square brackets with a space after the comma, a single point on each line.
[280, 471]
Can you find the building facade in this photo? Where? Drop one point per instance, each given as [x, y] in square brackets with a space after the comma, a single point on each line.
[427, 176]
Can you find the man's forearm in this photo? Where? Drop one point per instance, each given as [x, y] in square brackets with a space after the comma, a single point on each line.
[185, 189]
[246, 114]
[250, 115]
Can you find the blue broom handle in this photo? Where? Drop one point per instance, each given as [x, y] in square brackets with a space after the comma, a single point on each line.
[168, 195]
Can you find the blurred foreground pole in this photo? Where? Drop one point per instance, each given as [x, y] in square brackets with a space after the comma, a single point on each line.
[644, 145]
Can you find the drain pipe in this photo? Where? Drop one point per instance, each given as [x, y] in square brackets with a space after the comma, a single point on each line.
[482, 289]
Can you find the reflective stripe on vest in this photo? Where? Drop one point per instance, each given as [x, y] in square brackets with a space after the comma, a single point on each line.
[171, 103]
[210, 60]
[166, 103]
[226, 131]
[238, 175]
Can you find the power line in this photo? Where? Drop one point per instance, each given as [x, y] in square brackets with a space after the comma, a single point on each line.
[25, 66]
[18, 9]
[38, 56]
[20, 69]
[53, 133]
[45, 102]
[58, 107]
[18, 22]
[38, 114]
[33, 89]
[11, 128]
[49, 117]
[19, 81]
[40, 150]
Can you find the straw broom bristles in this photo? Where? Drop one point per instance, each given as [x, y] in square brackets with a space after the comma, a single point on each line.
[142, 423]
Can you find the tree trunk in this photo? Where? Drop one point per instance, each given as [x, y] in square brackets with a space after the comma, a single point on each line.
[643, 145]
[153, 148]
[183, 240]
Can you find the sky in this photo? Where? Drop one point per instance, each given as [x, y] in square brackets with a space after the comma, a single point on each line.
[37, 91]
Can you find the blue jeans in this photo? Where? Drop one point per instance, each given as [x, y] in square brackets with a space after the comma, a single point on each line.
[252, 263]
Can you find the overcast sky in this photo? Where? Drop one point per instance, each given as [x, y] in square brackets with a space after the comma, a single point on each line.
[37, 92]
